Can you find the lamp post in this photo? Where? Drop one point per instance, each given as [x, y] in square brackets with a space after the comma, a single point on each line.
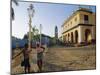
[40, 34]
[30, 14]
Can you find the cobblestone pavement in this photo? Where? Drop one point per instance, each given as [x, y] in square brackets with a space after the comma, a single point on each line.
[61, 59]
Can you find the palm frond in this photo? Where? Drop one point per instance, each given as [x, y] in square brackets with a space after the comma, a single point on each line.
[15, 1]
[12, 13]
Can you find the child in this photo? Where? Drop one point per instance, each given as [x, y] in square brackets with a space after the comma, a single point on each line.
[39, 56]
[26, 59]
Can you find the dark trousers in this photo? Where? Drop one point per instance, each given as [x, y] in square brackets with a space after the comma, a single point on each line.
[39, 63]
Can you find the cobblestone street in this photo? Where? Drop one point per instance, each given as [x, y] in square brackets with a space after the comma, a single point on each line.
[60, 59]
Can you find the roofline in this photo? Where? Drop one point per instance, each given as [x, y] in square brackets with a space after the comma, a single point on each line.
[81, 9]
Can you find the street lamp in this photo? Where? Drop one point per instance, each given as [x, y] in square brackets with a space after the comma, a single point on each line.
[40, 34]
[30, 14]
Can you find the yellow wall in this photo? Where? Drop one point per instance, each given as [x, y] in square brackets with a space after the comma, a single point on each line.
[70, 23]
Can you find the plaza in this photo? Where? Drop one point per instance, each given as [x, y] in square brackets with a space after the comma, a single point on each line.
[60, 59]
[57, 34]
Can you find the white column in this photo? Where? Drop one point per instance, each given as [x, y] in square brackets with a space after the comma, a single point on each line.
[93, 31]
[80, 35]
[40, 33]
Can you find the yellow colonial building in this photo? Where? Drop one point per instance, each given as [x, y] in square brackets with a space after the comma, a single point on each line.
[80, 27]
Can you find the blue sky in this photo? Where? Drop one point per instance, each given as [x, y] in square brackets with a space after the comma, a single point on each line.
[47, 14]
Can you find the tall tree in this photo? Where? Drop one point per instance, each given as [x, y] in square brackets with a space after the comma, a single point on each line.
[25, 36]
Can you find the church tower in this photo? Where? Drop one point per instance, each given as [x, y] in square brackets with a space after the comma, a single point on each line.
[56, 32]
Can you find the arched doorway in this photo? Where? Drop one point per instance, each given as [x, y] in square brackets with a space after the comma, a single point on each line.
[88, 36]
[76, 36]
[72, 37]
[68, 37]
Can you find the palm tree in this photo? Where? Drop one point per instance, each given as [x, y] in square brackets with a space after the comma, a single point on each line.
[35, 33]
[12, 10]
[15, 1]
[35, 30]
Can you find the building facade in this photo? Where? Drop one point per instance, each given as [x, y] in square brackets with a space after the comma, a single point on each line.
[80, 27]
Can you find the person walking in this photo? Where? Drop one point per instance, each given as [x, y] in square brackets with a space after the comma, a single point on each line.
[40, 51]
[26, 62]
